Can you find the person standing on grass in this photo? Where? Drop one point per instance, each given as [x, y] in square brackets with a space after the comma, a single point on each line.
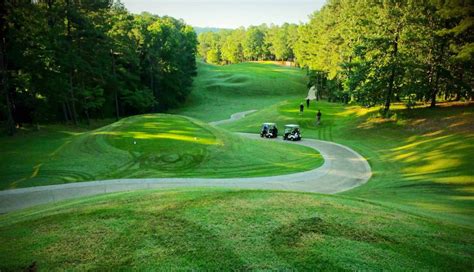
[318, 117]
[301, 108]
[307, 103]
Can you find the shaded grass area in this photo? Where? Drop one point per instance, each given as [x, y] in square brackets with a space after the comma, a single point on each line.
[217, 229]
[421, 158]
[220, 91]
[144, 146]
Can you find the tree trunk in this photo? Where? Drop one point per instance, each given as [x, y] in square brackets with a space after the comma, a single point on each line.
[391, 80]
[117, 113]
[86, 111]
[458, 93]
[435, 89]
[69, 111]
[11, 129]
[117, 110]
[35, 112]
[66, 118]
[390, 92]
[73, 103]
[434, 92]
[71, 70]
[439, 64]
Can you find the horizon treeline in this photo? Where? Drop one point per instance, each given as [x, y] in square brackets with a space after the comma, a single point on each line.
[248, 44]
[76, 60]
[367, 51]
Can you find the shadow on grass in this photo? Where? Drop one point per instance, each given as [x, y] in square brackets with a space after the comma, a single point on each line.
[289, 242]
[109, 236]
[299, 244]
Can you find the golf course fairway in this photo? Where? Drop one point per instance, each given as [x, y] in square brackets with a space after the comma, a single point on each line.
[415, 213]
[147, 146]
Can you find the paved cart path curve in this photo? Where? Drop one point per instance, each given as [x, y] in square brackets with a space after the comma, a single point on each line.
[343, 169]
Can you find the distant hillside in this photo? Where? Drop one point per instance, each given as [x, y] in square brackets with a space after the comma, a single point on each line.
[199, 30]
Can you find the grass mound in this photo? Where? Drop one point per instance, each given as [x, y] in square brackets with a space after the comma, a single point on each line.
[229, 230]
[145, 146]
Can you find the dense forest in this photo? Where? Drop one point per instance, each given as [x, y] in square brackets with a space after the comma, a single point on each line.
[75, 60]
[369, 52]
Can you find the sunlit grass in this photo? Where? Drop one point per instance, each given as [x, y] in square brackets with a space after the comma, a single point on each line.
[146, 146]
[421, 156]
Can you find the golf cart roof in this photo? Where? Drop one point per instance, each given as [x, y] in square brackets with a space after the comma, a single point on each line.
[292, 126]
[269, 124]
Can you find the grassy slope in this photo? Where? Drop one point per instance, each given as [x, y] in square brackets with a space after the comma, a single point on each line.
[166, 146]
[415, 213]
[421, 161]
[220, 91]
[230, 230]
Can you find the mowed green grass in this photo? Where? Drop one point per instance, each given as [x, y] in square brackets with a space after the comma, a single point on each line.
[416, 212]
[213, 229]
[145, 146]
[220, 91]
[421, 158]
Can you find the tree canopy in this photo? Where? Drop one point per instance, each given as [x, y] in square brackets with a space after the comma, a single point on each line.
[374, 52]
[73, 60]
[248, 44]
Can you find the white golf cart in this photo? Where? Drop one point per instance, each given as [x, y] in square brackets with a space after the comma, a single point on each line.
[292, 133]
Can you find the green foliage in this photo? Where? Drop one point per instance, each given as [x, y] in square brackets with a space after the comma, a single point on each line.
[232, 50]
[384, 51]
[369, 52]
[209, 48]
[213, 56]
[251, 44]
[89, 59]
[281, 40]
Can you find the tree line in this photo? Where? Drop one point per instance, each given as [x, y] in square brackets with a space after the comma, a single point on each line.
[371, 52]
[248, 44]
[75, 60]
[377, 52]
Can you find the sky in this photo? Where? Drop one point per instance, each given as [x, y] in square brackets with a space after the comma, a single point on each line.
[229, 13]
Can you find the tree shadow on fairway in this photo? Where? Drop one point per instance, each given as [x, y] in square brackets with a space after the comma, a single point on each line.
[313, 243]
[118, 235]
[289, 242]
[190, 246]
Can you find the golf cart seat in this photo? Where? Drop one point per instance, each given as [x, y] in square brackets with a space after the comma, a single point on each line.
[292, 133]
[269, 130]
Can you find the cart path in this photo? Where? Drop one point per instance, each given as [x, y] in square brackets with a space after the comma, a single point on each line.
[233, 117]
[343, 169]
